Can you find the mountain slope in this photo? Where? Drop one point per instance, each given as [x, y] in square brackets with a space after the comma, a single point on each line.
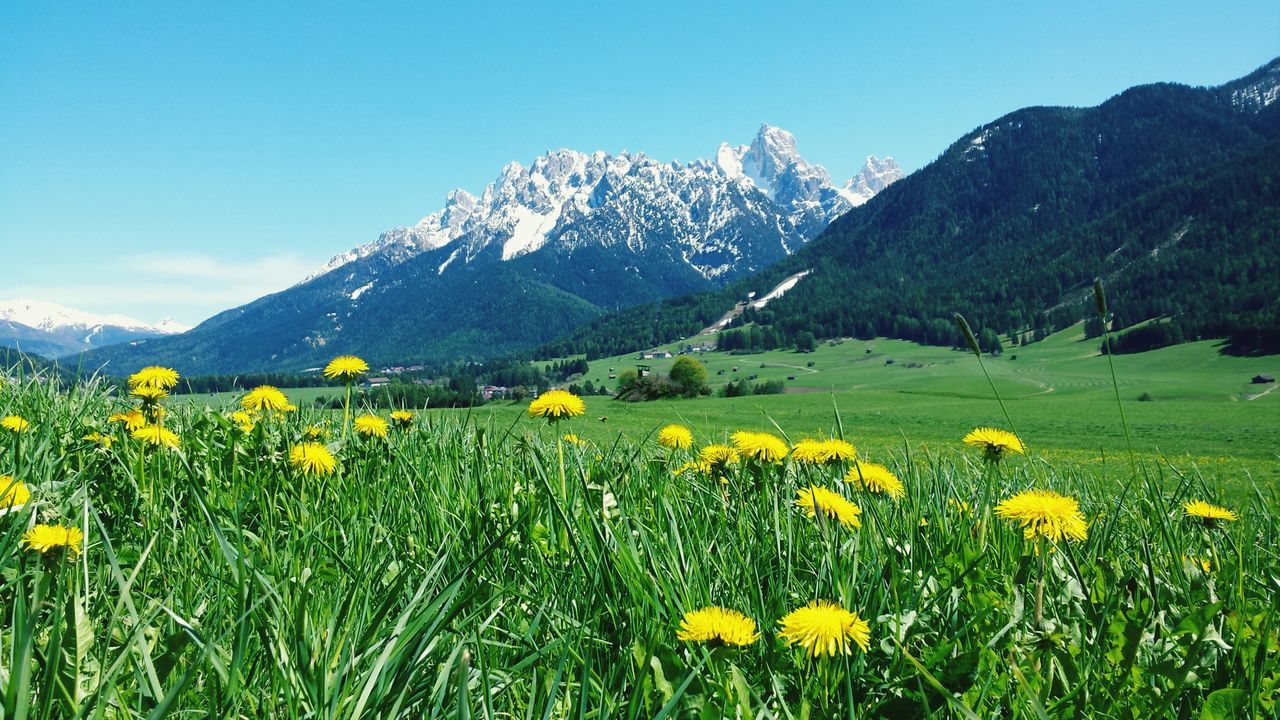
[51, 330]
[540, 251]
[1014, 220]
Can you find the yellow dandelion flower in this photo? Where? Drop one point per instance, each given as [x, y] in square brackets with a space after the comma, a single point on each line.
[315, 432]
[809, 452]
[243, 420]
[370, 426]
[875, 478]
[131, 420]
[13, 493]
[839, 450]
[676, 437]
[312, 459]
[556, 405]
[149, 394]
[573, 439]
[995, 443]
[822, 452]
[402, 418]
[154, 376]
[824, 628]
[265, 398]
[960, 506]
[156, 436]
[718, 455]
[1208, 514]
[815, 499]
[346, 368]
[718, 625]
[97, 438]
[15, 424]
[1045, 513]
[46, 539]
[696, 466]
[759, 446]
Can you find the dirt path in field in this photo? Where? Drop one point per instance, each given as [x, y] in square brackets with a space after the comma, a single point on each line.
[793, 367]
[1264, 392]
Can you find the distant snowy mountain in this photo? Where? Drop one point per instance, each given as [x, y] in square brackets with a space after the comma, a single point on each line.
[45, 328]
[564, 191]
[542, 249]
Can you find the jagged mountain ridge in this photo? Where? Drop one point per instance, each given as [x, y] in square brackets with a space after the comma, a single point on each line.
[542, 249]
[1165, 190]
[49, 329]
[527, 207]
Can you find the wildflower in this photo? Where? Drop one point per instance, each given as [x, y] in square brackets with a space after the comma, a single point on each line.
[815, 499]
[97, 438]
[345, 367]
[13, 493]
[556, 405]
[46, 539]
[995, 443]
[809, 452]
[15, 424]
[149, 394]
[960, 506]
[758, 446]
[676, 437]
[718, 455]
[697, 466]
[156, 436]
[370, 426]
[315, 432]
[402, 418]
[1045, 513]
[718, 625]
[312, 459]
[243, 420]
[573, 439]
[875, 478]
[1208, 514]
[264, 398]
[824, 628]
[131, 420]
[838, 450]
[822, 452]
[154, 376]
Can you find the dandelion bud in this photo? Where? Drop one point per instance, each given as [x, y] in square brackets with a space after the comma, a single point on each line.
[1100, 298]
[968, 334]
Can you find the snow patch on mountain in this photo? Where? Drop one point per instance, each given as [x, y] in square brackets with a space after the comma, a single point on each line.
[52, 317]
[699, 206]
[780, 289]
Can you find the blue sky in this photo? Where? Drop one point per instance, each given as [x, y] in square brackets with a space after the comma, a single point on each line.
[175, 159]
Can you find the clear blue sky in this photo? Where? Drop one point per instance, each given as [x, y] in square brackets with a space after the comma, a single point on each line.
[177, 158]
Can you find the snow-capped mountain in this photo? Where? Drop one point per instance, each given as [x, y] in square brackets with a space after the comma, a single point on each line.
[542, 249]
[46, 328]
[561, 192]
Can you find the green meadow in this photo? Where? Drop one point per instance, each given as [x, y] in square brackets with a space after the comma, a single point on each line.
[1204, 414]
[478, 564]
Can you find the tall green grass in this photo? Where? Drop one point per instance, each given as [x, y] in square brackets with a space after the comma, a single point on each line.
[476, 569]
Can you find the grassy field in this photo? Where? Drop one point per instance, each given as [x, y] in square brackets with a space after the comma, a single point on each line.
[1204, 415]
[477, 565]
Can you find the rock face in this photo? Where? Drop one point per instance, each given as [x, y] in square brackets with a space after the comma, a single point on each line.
[542, 249]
